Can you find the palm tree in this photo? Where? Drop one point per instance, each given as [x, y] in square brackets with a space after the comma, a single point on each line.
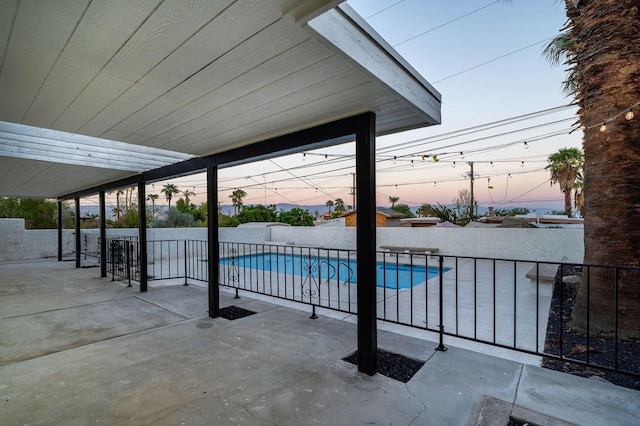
[236, 199]
[329, 204]
[187, 193]
[578, 194]
[169, 190]
[393, 200]
[118, 209]
[564, 166]
[604, 61]
[153, 198]
[339, 204]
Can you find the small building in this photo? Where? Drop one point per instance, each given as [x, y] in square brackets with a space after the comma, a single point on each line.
[384, 217]
[420, 222]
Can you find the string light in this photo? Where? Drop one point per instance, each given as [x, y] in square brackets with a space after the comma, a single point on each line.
[602, 126]
[434, 183]
[629, 115]
[492, 165]
[411, 163]
[422, 156]
[526, 145]
[461, 155]
[522, 164]
[435, 158]
[326, 157]
[489, 186]
[304, 156]
[395, 159]
[453, 165]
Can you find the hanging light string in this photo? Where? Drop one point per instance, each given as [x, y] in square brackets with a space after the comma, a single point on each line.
[602, 125]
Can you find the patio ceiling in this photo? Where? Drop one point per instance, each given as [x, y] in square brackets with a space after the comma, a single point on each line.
[192, 77]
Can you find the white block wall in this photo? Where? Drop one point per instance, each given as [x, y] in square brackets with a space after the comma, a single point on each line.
[551, 245]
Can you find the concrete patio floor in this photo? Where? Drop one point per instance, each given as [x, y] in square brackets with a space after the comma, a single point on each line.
[78, 349]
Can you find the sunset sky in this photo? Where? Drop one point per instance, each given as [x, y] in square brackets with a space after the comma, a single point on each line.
[485, 58]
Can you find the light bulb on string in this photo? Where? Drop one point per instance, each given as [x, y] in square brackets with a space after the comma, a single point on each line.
[304, 156]
[411, 163]
[489, 186]
[453, 165]
[629, 115]
[492, 165]
[603, 128]
[435, 158]
[509, 175]
[326, 157]
[526, 145]
[422, 156]
[522, 164]
[434, 183]
[461, 155]
[395, 160]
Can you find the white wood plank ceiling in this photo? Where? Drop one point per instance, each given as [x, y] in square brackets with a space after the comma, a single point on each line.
[195, 77]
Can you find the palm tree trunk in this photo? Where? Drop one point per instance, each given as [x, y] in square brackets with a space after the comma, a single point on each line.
[567, 202]
[607, 60]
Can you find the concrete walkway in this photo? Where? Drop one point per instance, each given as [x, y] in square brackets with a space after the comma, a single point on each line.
[76, 349]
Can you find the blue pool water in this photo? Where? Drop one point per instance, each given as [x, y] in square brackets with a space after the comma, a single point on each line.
[343, 270]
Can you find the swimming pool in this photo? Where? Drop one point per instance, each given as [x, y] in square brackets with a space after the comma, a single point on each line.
[389, 275]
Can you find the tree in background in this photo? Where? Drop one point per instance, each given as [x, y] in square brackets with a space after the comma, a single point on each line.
[403, 208]
[463, 208]
[153, 198]
[169, 190]
[37, 213]
[296, 217]
[393, 200]
[187, 193]
[236, 199]
[511, 212]
[257, 213]
[339, 207]
[329, 205]
[174, 218]
[565, 166]
[444, 213]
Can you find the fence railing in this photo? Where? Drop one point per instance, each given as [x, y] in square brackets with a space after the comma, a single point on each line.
[525, 306]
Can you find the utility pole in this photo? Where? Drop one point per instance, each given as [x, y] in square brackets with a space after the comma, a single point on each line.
[353, 191]
[471, 178]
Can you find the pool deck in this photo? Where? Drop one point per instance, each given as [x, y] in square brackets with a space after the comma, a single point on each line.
[76, 349]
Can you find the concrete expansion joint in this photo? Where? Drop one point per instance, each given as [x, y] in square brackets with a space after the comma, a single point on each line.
[250, 414]
[163, 308]
[424, 407]
[515, 394]
[45, 311]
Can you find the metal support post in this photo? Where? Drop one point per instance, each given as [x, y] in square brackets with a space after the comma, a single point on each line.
[366, 244]
[78, 241]
[213, 249]
[142, 235]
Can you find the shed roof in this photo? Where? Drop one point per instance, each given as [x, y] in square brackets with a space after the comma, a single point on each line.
[190, 78]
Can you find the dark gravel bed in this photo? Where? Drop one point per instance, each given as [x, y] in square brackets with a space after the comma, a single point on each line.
[561, 339]
[233, 313]
[395, 366]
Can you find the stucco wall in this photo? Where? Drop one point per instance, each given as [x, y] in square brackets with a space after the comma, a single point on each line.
[521, 244]
[553, 245]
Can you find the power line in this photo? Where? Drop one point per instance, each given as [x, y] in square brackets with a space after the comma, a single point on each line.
[446, 23]
[386, 8]
[493, 60]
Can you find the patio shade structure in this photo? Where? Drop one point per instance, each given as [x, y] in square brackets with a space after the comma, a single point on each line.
[97, 95]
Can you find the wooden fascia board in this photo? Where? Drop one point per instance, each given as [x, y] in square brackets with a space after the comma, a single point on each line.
[342, 30]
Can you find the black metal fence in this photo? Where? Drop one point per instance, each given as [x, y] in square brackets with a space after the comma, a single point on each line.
[525, 306]
[123, 256]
